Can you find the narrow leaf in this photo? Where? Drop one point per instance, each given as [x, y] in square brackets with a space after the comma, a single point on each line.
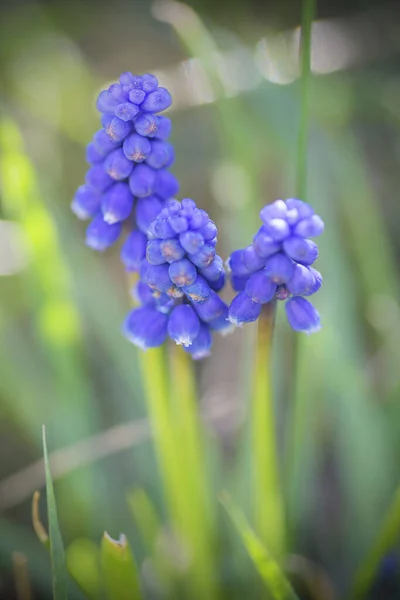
[145, 517]
[273, 577]
[57, 556]
[385, 540]
[119, 569]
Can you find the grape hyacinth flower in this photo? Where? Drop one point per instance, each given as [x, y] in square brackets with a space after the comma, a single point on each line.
[277, 265]
[128, 161]
[180, 275]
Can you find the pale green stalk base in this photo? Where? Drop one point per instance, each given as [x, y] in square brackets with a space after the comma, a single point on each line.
[156, 385]
[268, 507]
[386, 539]
[170, 388]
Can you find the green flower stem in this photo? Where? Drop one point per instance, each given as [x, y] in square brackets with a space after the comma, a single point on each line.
[170, 388]
[190, 453]
[268, 505]
[308, 13]
[385, 540]
[155, 380]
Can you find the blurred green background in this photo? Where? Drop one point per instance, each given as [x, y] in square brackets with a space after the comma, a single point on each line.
[63, 361]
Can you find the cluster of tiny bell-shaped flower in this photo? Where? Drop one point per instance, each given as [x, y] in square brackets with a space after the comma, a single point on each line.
[179, 281]
[277, 265]
[129, 159]
[171, 244]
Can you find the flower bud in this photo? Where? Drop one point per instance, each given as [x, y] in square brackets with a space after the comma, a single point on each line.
[146, 125]
[97, 179]
[260, 288]
[191, 241]
[279, 268]
[302, 315]
[142, 181]
[243, 310]
[301, 250]
[157, 101]
[153, 253]
[117, 165]
[182, 272]
[117, 129]
[317, 282]
[126, 111]
[100, 235]
[161, 155]
[203, 257]
[310, 227]
[166, 184]
[164, 127]
[136, 147]
[117, 203]
[86, 202]
[198, 291]
[133, 250]
[201, 346]
[146, 327]
[146, 211]
[183, 325]
[171, 249]
[302, 280]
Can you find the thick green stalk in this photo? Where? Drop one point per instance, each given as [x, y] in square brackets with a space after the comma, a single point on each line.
[155, 380]
[170, 388]
[308, 13]
[385, 540]
[268, 507]
[156, 386]
[190, 453]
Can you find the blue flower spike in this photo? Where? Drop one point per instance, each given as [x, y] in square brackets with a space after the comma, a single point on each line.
[277, 266]
[171, 280]
[128, 161]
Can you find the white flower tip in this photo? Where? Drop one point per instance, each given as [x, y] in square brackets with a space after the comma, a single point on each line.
[110, 218]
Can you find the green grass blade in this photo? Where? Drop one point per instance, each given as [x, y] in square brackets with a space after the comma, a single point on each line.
[119, 569]
[385, 540]
[145, 517]
[57, 555]
[267, 567]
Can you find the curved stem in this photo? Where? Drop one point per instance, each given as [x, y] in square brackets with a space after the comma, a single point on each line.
[267, 500]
